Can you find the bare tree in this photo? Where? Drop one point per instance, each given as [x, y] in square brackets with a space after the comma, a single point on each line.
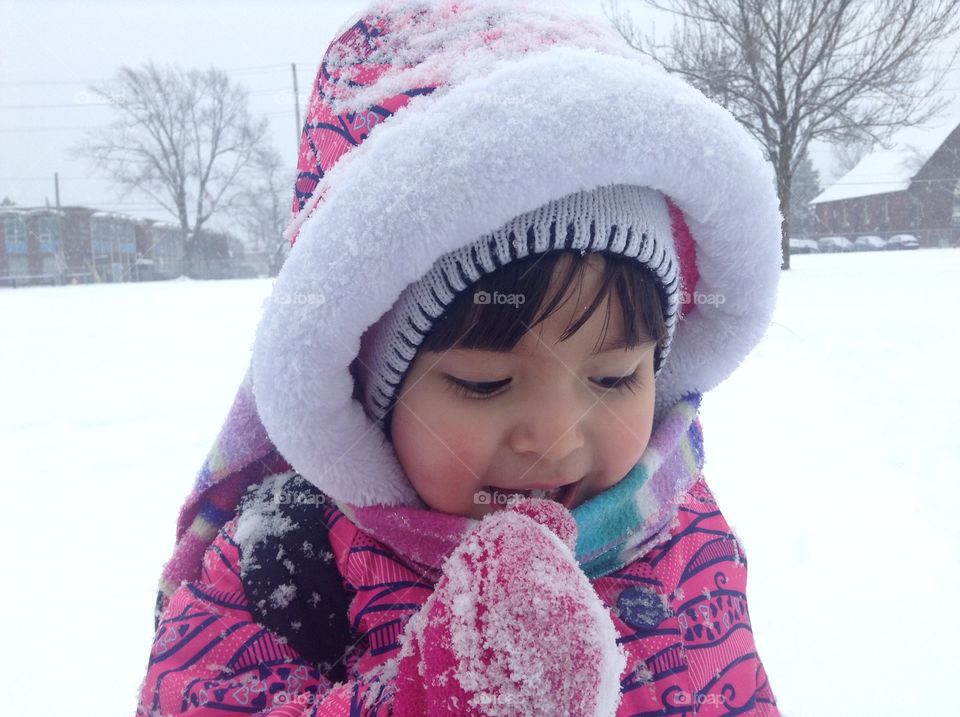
[264, 207]
[796, 70]
[184, 138]
[804, 187]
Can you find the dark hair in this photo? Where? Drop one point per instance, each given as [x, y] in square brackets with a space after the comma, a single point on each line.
[468, 323]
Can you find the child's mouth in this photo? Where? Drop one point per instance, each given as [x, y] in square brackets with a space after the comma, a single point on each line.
[565, 494]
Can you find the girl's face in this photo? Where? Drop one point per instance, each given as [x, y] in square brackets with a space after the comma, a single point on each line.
[475, 429]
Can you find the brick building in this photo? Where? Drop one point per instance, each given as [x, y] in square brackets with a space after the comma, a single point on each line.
[32, 246]
[159, 250]
[911, 188]
[80, 244]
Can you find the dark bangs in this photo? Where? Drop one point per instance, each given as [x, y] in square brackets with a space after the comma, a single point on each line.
[489, 315]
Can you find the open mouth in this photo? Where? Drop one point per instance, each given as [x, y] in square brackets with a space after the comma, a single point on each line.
[565, 495]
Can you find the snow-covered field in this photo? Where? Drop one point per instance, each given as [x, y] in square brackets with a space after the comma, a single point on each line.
[833, 452]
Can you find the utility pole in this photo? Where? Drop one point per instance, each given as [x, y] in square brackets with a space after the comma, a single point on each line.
[296, 102]
[56, 187]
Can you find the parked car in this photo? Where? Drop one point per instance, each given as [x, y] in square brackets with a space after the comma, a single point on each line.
[903, 241]
[869, 242]
[804, 246]
[831, 244]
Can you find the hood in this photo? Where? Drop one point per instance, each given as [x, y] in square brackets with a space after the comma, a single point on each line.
[431, 124]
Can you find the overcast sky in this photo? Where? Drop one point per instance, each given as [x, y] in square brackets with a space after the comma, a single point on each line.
[51, 51]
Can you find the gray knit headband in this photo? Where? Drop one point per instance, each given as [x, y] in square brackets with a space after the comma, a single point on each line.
[622, 219]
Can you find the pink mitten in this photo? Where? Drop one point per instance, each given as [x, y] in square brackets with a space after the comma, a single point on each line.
[513, 627]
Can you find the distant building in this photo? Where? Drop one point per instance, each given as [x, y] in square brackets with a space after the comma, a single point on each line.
[159, 250]
[215, 257]
[32, 248]
[911, 188]
[81, 245]
[113, 244]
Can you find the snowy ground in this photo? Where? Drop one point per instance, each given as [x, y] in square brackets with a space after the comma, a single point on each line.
[833, 453]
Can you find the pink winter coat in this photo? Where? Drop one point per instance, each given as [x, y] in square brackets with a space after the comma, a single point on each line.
[680, 612]
[297, 610]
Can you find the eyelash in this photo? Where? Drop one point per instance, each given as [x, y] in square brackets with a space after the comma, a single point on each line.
[485, 390]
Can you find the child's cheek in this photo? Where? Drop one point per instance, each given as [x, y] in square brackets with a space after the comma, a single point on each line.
[625, 443]
[464, 451]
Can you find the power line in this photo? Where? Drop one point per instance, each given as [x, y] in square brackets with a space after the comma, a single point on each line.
[260, 68]
[50, 129]
[254, 69]
[231, 70]
[102, 126]
[62, 179]
[251, 93]
[71, 105]
[28, 83]
[68, 105]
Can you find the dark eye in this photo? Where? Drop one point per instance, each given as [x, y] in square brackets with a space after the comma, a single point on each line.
[476, 389]
[621, 383]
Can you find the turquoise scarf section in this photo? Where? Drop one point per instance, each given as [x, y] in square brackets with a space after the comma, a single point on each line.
[626, 520]
[614, 528]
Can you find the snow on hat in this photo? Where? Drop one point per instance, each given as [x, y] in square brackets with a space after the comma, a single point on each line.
[434, 123]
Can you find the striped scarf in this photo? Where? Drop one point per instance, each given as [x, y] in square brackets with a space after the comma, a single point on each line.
[614, 527]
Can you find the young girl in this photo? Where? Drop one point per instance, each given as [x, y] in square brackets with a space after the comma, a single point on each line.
[464, 472]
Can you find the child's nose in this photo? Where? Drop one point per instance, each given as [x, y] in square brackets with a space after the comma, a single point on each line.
[551, 430]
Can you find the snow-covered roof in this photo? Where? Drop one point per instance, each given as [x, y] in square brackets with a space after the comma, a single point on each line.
[163, 226]
[112, 215]
[29, 211]
[890, 170]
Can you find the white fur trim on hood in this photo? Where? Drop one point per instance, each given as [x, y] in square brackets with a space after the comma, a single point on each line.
[442, 172]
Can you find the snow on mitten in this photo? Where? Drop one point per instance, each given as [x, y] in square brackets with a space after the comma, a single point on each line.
[513, 627]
